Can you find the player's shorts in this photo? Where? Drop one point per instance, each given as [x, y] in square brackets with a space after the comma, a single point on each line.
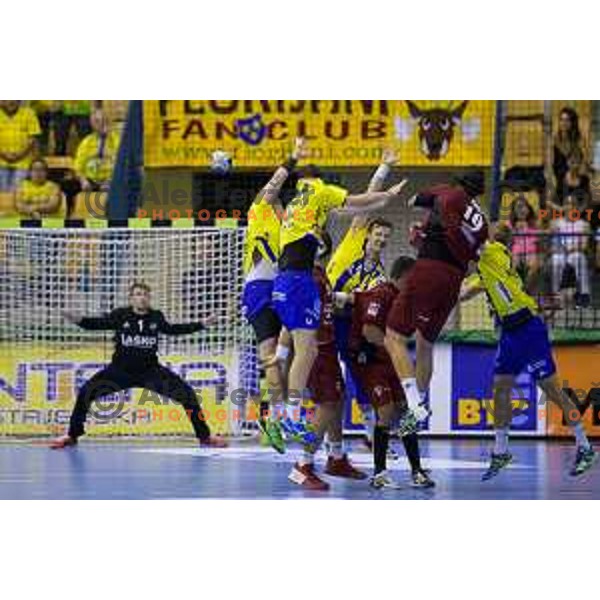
[379, 382]
[325, 382]
[296, 300]
[257, 306]
[426, 300]
[525, 348]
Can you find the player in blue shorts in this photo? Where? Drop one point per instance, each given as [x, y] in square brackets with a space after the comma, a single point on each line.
[295, 293]
[524, 346]
[261, 253]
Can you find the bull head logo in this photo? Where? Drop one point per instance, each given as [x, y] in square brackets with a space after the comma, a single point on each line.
[436, 127]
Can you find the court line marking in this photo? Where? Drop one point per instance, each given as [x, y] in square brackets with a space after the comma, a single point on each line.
[358, 459]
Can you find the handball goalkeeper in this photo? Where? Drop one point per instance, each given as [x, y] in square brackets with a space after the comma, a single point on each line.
[135, 363]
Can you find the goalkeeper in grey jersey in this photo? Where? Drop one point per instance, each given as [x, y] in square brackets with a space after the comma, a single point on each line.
[135, 363]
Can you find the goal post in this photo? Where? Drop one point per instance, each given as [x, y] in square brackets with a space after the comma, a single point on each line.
[44, 360]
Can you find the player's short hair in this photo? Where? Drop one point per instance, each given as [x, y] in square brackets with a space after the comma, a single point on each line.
[401, 266]
[473, 182]
[378, 222]
[139, 285]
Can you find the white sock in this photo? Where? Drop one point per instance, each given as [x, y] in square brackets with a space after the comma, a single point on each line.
[501, 444]
[413, 397]
[336, 450]
[580, 437]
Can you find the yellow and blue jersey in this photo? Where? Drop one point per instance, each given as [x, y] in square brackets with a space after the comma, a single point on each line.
[304, 217]
[503, 285]
[348, 270]
[524, 345]
[262, 235]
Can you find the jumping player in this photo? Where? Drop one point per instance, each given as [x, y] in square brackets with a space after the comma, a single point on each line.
[357, 265]
[295, 293]
[261, 252]
[375, 373]
[135, 364]
[524, 345]
[327, 390]
[453, 232]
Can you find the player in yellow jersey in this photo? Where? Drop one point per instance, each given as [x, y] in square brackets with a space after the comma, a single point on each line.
[524, 346]
[295, 293]
[261, 253]
[357, 266]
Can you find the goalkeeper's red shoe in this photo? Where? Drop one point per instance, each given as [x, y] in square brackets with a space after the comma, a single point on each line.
[306, 477]
[342, 467]
[213, 442]
[65, 441]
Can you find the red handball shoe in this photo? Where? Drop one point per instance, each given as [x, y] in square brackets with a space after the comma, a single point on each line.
[213, 442]
[63, 442]
[342, 467]
[306, 477]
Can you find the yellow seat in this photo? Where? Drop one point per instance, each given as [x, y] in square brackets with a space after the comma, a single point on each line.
[524, 144]
[90, 205]
[59, 162]
[524, 108]
[7, 204]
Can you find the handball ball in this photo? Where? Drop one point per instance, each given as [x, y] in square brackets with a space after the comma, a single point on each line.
[221, 162]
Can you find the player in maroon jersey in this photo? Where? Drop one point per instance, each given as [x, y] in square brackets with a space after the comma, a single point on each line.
[327, 390]
[375, 374]
[453, 232]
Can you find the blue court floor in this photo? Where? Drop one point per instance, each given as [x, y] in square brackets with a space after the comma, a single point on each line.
[161, 470]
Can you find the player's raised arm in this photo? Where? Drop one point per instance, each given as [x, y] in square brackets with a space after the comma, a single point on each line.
[103, 323]
[272, 189]
[371, 200]
[376, 183]
[184, 328]
[388, 160]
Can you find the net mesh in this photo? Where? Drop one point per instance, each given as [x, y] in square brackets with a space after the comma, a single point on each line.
[192, 273]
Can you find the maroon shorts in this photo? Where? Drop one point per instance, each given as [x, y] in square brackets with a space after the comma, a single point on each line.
[325, 382]
[429, 294]
[379, 383]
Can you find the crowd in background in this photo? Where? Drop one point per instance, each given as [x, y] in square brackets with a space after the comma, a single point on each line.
[52, 150]
[557, 228]
[76, 135]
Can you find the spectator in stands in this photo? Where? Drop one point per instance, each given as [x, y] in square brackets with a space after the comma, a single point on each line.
[19, 128]
[50, 115]
[577, 181]
[568, 142]
[75, 114]
[37, 197]
[570, 242]
[97, 154]
[525, 250]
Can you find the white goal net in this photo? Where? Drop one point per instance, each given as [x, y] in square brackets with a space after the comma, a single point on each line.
[43, 359]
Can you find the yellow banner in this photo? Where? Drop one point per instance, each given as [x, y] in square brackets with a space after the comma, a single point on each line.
[38, 386]
[259, 133]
